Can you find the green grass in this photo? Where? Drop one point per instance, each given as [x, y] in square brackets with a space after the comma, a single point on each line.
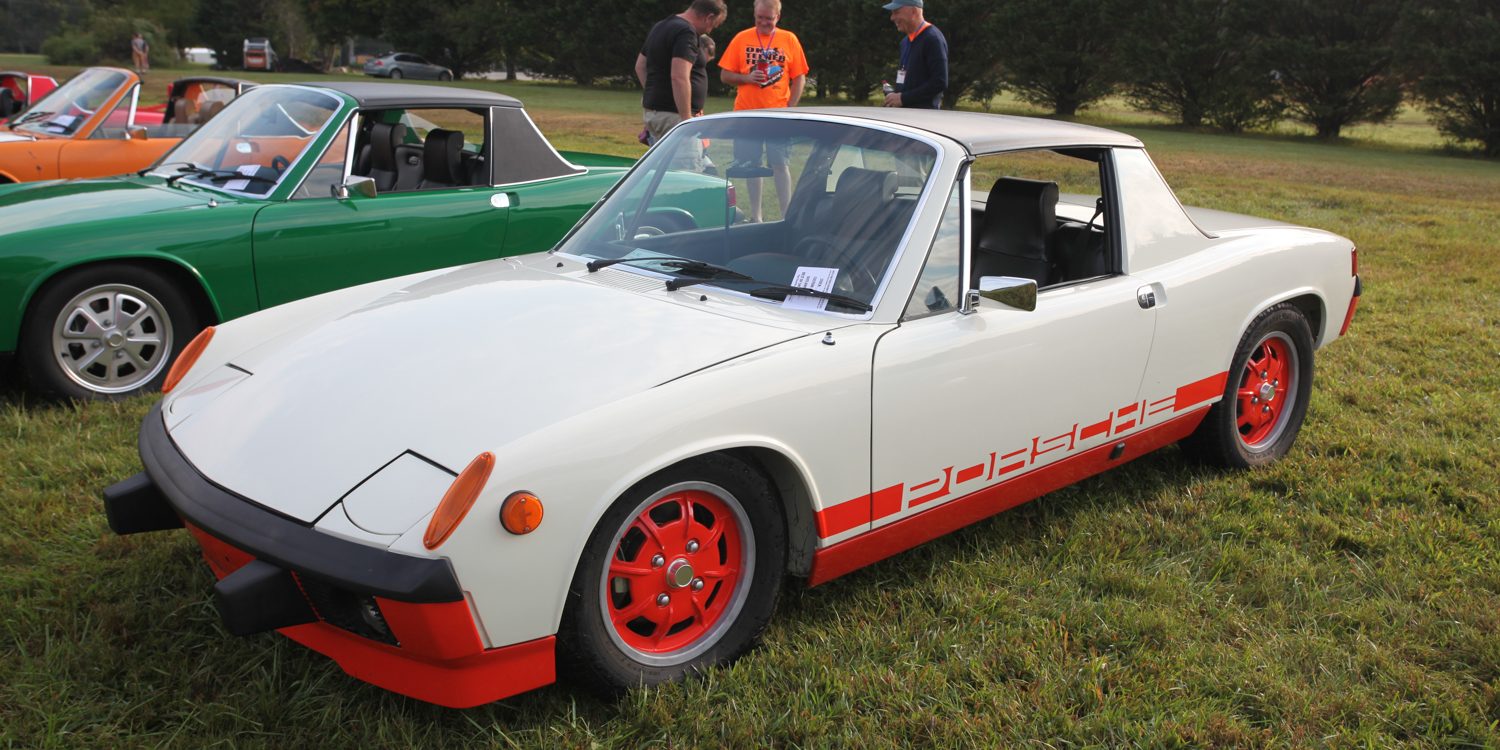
[1348, 596]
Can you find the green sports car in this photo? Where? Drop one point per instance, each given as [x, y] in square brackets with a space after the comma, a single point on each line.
[291, 191]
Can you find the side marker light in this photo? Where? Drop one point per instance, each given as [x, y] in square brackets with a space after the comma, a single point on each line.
[521, 513]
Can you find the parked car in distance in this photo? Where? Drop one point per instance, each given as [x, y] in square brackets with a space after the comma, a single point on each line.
[398, 65]
[93, 126]
[290, 191]
[608, 458]
[258, 54]
[18, 90]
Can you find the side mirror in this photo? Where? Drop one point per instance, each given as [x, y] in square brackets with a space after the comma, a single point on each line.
[355, 185]
[1010, 291]
[135, 134]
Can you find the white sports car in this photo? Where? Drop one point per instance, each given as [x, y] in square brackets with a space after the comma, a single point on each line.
[609, 456]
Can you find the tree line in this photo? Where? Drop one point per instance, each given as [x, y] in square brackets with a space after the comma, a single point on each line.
[1225, 64]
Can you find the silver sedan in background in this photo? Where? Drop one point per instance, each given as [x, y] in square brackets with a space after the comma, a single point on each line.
[406, 65]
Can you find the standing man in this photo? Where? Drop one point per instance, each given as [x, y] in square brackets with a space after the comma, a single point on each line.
[923, 75]
[140, 53]
[767, 66]
[665, 65]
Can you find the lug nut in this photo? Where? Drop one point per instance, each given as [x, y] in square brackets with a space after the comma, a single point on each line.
[658, 561]
[1266, 409]
[663, 600]
[692, 546]
[697, 584]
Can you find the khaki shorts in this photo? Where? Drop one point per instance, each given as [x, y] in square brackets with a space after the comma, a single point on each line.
[659, 122]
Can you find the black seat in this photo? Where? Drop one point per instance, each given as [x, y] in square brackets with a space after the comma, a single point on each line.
[377, 158]
[8, 103]
[1078, 252]
[1019, 218]
[442, 160]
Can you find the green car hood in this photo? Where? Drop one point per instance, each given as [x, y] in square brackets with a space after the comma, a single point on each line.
[37, 205]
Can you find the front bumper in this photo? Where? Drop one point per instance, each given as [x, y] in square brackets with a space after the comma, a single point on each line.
[397, 621]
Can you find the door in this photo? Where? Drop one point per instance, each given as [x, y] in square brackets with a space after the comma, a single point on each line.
[316, 242]
[964, 402]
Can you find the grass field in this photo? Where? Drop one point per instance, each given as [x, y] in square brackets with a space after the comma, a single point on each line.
[1347, 597]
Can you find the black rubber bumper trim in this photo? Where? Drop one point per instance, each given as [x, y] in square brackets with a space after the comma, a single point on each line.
[283, 541]
[1358, 286]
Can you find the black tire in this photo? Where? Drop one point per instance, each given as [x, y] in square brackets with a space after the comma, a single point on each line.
[1260, 415]
[723, 619]
[57, 338]
[396, 74]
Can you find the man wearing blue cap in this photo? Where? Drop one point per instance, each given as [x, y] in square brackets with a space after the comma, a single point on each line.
[923, 75]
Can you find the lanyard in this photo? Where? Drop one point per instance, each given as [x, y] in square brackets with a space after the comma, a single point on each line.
[767, 46]
[905, 48]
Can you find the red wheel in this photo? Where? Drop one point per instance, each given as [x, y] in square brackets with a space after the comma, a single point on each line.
[681, 574]
[1266, 397]
[1267, 391]
[678, 572]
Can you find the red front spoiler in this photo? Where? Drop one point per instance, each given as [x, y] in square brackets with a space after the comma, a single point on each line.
[440, 660]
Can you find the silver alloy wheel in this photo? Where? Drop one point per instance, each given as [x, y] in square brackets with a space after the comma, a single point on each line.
[112, 338]
[739, 595]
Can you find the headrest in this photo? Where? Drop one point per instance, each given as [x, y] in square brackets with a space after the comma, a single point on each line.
[441, 157]
[208, 111]
[384, 138]
[1018, 216]
[859, 193]
[7, 103]
[877, 183]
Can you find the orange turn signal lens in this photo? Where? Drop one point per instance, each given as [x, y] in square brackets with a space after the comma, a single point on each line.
[187, 359]
[521, 513]
[458, 500]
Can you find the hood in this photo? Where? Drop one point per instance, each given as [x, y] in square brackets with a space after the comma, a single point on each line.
[39, 205]
[450, 366]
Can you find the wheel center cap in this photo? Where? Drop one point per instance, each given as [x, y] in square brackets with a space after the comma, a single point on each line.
[679, 573]
[1267, 391]
[114, 339]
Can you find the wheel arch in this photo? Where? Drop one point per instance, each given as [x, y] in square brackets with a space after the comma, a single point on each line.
[1307, 300]
[186, 277]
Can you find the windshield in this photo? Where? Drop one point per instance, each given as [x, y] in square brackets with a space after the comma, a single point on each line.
[756, 205]
[70, 105]
[249, 146]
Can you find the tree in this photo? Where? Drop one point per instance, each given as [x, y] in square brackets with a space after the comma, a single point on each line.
[1198, 61]
[1335, 60]
[1057, 53]
[1452, 47]
[28, 23]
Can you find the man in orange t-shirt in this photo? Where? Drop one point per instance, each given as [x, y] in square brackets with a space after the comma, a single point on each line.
[767, 66]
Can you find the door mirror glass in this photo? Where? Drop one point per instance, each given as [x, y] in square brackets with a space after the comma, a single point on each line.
[136, 133]
[1010, 291]
[363, 187]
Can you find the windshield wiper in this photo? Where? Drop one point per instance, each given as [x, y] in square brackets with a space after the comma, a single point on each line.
[782, 291]
[184, 171]
[709, 270]
[227, 175]
[143, 172]
[33, 116]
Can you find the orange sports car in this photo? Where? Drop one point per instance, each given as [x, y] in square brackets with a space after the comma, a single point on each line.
[93, 126]
[18, 90]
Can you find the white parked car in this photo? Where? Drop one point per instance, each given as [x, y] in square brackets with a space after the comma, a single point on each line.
[609, 457]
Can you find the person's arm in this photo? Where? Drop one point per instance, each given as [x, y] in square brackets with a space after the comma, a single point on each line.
[682, 86]
[797, 84]
[640, 68]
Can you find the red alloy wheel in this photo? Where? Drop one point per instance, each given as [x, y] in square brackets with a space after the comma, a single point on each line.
[676, 570]
[1267, 391]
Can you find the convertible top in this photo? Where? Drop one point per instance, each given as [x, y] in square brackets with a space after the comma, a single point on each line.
[373, 95]
[984, 133]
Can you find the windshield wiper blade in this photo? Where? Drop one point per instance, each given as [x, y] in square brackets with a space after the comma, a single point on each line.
[708, 270]
[185, 170]
[28, 117]
[782, 291]
[225, 176]
[143, 172]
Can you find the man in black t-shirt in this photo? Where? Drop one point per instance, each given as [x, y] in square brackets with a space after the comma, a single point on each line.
[665, 64]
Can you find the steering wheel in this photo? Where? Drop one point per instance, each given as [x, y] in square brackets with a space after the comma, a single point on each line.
[280, 163]
[823, 251]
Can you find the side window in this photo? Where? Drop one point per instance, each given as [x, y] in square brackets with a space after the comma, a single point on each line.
[938, 288]
[1044, 217]
[118, 119]
[328, 171]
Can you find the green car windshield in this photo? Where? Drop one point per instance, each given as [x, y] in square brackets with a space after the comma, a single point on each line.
[250, 146]
[834, 202]
[69, 106]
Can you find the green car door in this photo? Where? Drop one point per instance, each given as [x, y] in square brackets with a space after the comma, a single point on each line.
[325, 238]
